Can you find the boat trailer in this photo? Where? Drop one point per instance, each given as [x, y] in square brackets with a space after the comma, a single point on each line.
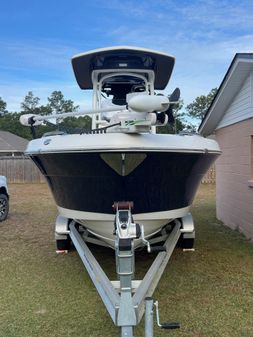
[126, 299]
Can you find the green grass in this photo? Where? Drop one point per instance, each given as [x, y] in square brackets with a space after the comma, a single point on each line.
[209, 291]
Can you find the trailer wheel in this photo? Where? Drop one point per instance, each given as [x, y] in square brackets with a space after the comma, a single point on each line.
[63, 244]
[186, 243]
[4, 207]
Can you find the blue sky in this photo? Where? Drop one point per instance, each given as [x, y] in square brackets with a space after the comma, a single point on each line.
[38, 39]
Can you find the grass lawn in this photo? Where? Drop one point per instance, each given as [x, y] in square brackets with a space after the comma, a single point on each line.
[209, 291]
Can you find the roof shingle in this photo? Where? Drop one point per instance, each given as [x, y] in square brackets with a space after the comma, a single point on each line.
[12, 143]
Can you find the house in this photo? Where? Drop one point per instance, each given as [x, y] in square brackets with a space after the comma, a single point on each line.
[11, 145]
[13, 163]
[230, 117]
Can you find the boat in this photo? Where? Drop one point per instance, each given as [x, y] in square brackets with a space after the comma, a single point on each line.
[120, 184]
[122, 158]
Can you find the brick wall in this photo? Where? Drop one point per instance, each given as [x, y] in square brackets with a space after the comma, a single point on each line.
[234, 186]
[210, 177]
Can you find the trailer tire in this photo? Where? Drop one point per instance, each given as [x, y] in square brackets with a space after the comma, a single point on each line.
[63, 244]
[186, 243]
[4, 207]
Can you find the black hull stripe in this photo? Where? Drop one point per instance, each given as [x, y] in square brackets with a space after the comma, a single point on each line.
[163, 181]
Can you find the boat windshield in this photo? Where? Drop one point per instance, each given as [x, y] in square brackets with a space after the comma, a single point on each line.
[118, 86]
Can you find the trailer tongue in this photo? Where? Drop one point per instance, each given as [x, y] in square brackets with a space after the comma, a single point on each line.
[127, 299]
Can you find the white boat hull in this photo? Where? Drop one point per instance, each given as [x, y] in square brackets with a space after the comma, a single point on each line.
[88, 173]
[102, 225]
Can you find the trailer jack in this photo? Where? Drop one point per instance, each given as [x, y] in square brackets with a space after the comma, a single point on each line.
[149, 319]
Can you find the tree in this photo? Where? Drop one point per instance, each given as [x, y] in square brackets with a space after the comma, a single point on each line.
[30, 104]
[44, 110]
[10, 122]
[198, 108]
[57, 103]
[79, 123]
[3, 105]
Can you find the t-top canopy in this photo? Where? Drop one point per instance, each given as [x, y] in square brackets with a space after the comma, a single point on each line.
[123, 58]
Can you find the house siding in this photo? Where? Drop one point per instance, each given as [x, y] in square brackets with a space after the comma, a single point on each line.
[233, 173]
[241, 107]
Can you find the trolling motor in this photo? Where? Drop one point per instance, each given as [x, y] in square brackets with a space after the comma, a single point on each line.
[167, 116]
[141, 112]
[174, 97]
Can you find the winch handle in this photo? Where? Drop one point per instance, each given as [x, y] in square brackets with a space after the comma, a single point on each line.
[170, 325]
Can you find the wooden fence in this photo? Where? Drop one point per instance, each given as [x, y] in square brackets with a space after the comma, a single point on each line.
[209, 178]
[23, 170]
[20, 169]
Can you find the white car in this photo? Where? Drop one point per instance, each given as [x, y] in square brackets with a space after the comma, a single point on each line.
[4, 198]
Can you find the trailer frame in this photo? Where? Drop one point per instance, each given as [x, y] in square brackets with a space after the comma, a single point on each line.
[127, 299]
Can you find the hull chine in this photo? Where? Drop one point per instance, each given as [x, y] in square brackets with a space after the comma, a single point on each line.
[102, 225]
